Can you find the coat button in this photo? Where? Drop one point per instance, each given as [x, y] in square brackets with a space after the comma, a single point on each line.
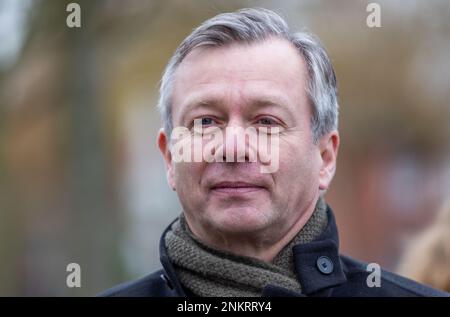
[325, 265]
[166, 280]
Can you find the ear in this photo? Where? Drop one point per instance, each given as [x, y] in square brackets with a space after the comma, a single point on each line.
[328, 146]
[164, 146]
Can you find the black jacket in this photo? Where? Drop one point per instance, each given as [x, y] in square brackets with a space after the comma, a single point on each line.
[321, 271]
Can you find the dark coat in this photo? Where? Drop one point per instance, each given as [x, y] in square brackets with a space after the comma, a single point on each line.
[321, 271]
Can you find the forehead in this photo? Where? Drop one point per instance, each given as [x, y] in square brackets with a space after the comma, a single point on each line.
[264, 69]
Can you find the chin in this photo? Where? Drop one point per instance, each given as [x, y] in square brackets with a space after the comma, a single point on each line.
[240, 219]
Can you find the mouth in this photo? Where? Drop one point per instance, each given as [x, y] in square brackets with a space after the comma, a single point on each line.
[235, 188]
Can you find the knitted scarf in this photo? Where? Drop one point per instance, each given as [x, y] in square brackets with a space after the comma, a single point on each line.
[209, 272]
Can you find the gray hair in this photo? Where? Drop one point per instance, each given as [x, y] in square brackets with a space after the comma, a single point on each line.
[256, 25]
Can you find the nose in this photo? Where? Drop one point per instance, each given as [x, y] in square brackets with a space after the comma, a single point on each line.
[237, 144]
[234, 144]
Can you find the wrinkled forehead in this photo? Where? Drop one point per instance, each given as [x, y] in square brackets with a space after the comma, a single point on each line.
[272, 67]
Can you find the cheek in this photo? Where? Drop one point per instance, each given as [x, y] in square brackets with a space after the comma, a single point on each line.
[298, 165]
[187, 176]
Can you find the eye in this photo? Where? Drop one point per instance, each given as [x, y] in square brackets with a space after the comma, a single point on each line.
[207, 121]
[266, 121]
[203, 122]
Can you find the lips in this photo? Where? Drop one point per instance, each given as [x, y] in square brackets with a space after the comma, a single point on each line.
[235, 187]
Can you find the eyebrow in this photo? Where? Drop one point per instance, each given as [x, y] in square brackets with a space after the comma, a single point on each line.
[253, 103]
[270, 102]
[195, 104]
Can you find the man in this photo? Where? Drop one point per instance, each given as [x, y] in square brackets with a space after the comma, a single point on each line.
[246, 230]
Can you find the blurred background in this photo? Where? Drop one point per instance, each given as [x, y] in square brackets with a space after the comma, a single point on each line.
[81, 179]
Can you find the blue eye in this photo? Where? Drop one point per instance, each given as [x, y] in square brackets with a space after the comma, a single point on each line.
[207, 121]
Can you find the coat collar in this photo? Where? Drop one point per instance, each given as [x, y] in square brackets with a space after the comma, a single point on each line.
[171, 278]
[317, 264]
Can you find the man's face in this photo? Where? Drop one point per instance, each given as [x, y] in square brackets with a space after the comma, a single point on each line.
[241, 85]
